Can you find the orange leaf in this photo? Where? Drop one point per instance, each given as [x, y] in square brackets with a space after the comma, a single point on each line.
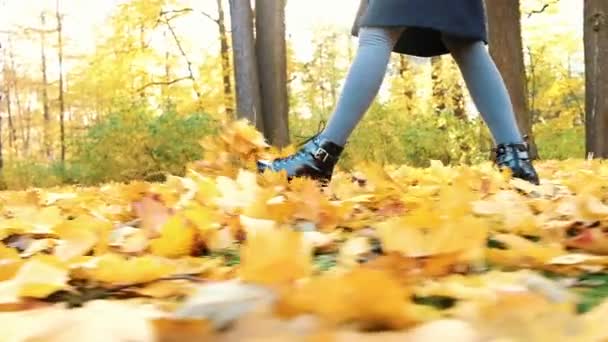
[275, 256]
[371, 298]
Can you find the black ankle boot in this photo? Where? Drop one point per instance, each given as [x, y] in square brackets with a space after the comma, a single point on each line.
[517, 158]
[316, 159]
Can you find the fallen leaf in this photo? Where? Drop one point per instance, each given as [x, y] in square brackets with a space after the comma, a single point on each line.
[426, 233]
[118, 270]
[237, 194]
[224, 302]
[370, 298]
[166, 289]
[153, 214]
[182, 330]
[35, 279]
[177, 238]
[265, 252]
[97, 321]
[10, 262]
[36, 246]
[352, 250]
[77, 237]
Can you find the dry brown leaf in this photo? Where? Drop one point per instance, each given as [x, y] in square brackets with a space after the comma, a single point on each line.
[182, 330]
[153, 214]
[593, 240]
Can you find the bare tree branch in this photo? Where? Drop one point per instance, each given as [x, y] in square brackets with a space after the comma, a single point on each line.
[186, 10]
[183, 10]
[542, 9]
[217, 21]
[163, 83]
[183, 53]
[38, 30]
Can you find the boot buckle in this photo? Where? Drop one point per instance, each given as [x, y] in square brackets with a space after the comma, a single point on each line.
[321, 154]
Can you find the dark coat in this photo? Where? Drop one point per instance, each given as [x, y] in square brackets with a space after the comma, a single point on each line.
[425, 21]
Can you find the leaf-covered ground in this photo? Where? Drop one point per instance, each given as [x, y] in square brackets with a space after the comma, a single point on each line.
[382, 253]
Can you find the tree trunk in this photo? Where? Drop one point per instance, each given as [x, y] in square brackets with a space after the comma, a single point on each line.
[596, 55]
[45, 96]
[225, 56]
[439, 91]
[455, 90]
[248, 101]
[28, 131]
[8, 81]
[531, 78]
[405, 73]
[8, 109]
[272, 66]
[1, 147]
[15, 86]
[506, 48]
[165, 86]
[458, 101]
[61, 100]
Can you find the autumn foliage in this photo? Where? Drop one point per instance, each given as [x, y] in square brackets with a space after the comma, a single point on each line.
[382, 252]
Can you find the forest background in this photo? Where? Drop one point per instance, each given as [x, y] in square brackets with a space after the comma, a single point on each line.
[114, 90]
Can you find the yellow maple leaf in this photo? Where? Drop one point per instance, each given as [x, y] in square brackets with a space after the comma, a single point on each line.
[512, 209]
[522, 252]
[177, 238]
[196, 265]
[31, 220]
[352, 250]
[115, 269]
[43, 221]
[275, 256]
[526, 316]
[381, 182]
[311, 203]
[238, 193]
[36, 279]
[166, 289]
[37, 246]
[131, 240]
[219, 239]
[272, 205]
[371, 298]
[79, 236]
[203, 218]
[9, 262]
[426, 232]
[207, 190]
[253, 225]
[243, 137]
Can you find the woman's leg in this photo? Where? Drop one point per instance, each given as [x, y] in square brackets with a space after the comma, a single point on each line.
[492, 99]
[318, 157]
[363, 81]
[487, 88]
